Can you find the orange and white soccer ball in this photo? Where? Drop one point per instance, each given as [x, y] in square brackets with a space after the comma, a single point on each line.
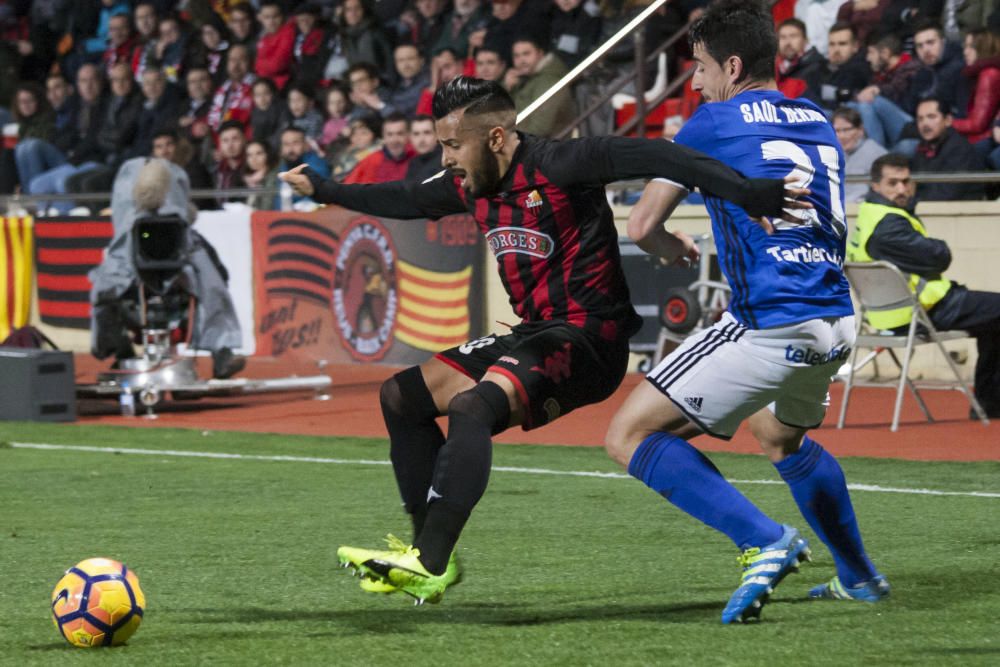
[98, 602]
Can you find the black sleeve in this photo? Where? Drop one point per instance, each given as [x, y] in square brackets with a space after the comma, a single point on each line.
[607, 159]
[435, 197]
[895, 240]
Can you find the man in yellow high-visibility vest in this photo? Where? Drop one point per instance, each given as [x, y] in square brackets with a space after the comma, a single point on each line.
[888, 229]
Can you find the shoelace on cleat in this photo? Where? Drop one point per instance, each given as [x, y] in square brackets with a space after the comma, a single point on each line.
[748, 557]
[396, 544]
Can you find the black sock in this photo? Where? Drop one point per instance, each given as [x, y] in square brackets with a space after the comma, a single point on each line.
[414, 439]
[462, 470]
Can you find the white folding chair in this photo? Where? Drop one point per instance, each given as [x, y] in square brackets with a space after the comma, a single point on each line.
[880, 286]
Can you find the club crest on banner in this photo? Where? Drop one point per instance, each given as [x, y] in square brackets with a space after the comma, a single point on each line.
[365, 293]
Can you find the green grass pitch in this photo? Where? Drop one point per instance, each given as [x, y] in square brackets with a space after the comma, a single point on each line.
[236, 557]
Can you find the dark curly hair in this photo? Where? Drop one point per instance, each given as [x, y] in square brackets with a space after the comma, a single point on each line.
[742, 28]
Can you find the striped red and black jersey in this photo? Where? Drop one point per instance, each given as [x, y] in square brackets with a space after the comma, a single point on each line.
[550, 226]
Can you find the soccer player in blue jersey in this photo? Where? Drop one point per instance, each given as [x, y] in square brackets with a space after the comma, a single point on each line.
[790, 324]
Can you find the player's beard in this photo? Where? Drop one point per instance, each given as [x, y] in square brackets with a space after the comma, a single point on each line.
[486, 177]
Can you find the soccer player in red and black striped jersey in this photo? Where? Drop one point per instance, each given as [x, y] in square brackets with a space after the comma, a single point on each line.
[543, 209]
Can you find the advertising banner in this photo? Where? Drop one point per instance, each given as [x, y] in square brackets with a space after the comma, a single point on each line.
[68, 248]
[340, 286]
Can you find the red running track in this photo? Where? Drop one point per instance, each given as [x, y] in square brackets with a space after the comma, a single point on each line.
[352, 410]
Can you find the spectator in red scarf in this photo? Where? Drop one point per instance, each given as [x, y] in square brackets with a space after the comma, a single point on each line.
[234, 98]
[121, 42]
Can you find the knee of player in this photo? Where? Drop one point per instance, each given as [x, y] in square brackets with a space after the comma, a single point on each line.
[617, 441]
[485, 403]
[405, 397]
[390, 396]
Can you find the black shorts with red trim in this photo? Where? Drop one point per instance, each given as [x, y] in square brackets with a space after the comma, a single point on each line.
[555, 367]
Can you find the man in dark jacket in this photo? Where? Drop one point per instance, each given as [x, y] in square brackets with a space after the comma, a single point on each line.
[79, 141]
[116, 133]
[427, 161]
[942, 64]
[845, 72]
[887, 229]
[887, 105]
[797, 62]
[942, 149]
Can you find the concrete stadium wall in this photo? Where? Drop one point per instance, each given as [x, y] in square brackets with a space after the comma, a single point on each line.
[971, 229]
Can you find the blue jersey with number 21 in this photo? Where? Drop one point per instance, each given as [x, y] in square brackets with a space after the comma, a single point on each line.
[795, 274]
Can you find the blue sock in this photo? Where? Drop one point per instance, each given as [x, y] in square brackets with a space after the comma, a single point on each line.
[684, 476]
[820, 490]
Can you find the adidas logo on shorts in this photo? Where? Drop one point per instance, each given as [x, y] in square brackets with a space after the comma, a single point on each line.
[694, 402]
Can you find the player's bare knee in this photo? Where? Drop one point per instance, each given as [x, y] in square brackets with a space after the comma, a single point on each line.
[620, 441]
[777, 442]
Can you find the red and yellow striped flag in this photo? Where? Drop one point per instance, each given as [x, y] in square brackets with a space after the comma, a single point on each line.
[433, 307]
[16, 267]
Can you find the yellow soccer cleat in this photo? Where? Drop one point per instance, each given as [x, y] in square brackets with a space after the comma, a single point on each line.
[400, 568]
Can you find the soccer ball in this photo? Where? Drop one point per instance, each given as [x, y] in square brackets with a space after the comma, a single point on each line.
[98, 602]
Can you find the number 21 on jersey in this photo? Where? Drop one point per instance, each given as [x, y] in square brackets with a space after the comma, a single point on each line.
[805, 171]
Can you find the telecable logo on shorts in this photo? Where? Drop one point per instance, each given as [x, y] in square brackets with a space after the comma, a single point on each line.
[804, 355]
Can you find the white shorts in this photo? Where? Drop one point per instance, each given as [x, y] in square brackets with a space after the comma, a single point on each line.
[726, 373]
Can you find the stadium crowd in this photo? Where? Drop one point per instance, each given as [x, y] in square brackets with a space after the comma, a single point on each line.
[236, 91]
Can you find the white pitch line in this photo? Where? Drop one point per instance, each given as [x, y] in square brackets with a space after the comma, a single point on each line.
[875, 488]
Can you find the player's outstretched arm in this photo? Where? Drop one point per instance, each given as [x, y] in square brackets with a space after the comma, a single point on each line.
[645, 224]
[609, 159]
[433, 198]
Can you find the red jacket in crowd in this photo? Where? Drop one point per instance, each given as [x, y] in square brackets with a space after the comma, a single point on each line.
[380, 167]
[274, 54]
[984, 104]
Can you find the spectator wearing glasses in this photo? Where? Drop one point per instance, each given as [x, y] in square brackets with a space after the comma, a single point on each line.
[860, 150]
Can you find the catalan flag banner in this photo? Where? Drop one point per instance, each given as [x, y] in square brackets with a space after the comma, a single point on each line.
[16, 254]
[339, 286]
[433, 307]
[67, 249]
